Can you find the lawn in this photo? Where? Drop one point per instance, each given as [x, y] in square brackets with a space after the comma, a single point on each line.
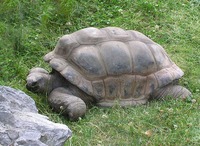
[30, 28]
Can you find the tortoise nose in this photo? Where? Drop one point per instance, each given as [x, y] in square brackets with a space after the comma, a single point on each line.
[32, 86]
[31, 83]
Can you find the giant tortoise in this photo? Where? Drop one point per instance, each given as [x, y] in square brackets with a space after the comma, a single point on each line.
[105, 67]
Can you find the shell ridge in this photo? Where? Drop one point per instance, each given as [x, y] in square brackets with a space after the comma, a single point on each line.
[124, 74]
[106, 90]
[99, 92]
[134, 86]
[58, 64]
[178, 70]
[156, 79]
[138, 36]
[120, 88]
[151, 85]
[101, 58]
[108, 35]
[145, 85]
[173, 77]
[117, 34]
[65, 45]
[165, 54]
[74, 38]
[155, 61]
[104, 85]
[131, 57]
[90, 35]
[76, 67]
[162, 59]
[168, 78]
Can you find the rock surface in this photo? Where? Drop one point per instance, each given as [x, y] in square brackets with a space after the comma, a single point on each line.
[21, 125]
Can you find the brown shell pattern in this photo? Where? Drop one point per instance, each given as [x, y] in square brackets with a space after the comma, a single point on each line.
[112, 63]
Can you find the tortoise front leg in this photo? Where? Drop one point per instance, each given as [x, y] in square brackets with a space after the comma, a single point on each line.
[68, 105]
[175, 91]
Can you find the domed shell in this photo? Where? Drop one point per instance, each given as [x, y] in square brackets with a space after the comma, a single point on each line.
[112, 63]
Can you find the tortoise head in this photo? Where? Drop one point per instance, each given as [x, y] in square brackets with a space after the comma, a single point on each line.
[38, 81]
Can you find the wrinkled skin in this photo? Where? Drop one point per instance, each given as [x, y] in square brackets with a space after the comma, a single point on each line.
[64, 97]
[38, 82]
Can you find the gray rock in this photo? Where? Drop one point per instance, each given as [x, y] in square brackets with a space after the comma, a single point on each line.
[21, 125]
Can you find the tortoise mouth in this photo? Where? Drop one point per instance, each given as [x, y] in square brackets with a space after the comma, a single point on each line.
[32, 88]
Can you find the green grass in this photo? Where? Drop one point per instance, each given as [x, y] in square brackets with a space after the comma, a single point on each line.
[30, 28]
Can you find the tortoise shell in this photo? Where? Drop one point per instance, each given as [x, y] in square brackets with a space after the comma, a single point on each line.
[113, 63]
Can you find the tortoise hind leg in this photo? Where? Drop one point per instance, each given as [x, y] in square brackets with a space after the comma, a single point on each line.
[175, 91]
[68, 105]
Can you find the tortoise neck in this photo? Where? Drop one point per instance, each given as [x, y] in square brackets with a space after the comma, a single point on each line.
[55, 81]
